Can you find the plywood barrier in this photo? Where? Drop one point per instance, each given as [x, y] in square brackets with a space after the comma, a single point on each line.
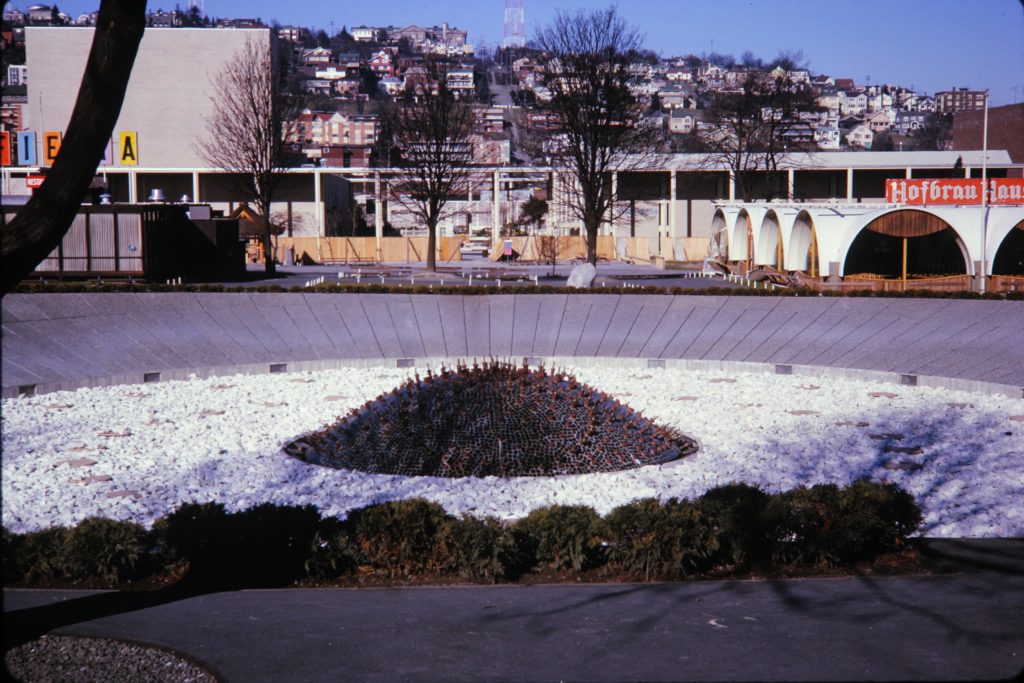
[340, 250]
[536, 248]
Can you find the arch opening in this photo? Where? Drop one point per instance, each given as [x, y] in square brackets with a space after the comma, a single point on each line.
[906, 244]
[802, 251]
[769, 242]
[1009, 257]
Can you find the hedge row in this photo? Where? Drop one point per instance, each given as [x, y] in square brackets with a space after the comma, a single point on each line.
[735, 527]
[32, 287]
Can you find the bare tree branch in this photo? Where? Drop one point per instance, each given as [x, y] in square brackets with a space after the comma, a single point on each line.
[40, 225]
[432, 129]
[590, 68]
[245, 133]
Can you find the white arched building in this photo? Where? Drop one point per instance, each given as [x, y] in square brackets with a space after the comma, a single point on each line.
[836, 241]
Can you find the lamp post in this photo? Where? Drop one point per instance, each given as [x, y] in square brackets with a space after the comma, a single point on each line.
[984, 199]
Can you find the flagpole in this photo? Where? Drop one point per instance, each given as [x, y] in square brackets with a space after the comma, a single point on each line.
[984, 199]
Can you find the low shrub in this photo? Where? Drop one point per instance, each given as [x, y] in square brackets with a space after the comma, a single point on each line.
[735, 513]
[660, 540]
[826, 525]
[563, 537]
[736, 524]
[35, 557]
[332, 551]
[402, 538]
[485, 549]
[801, 523]
[274, 543]
[875, 518]
[109, 550]
[200, 534]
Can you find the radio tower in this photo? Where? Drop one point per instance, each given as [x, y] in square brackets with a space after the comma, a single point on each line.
[515, 24]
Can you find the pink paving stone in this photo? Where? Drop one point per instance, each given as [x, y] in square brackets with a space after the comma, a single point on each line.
[1017, 418]
[221, 387]
[723, 380]
[810, 387]
[123, 494]
[138, 394]
[803, 412]
[334, 398]
[851, 423]
[751, 405]
[903, 466]
[882, 394]
[78, 462]
[271, 404]
[960, 405]
[211, 413]
[156, 422]
[93, 479]
[906, 450]
[60, 406]
[113, 434]
[887, 435]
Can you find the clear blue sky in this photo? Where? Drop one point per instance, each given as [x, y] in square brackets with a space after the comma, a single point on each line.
[930, 44]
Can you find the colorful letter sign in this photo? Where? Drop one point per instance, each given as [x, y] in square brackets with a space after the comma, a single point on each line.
[26, 148]
[953, 191]
[5, 148]
[128, 149]
[51, 146]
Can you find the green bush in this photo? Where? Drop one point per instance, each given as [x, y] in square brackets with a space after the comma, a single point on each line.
[111, 551]
[826, 525]
[274, 543]
[875, 519]
[200, 534]
[402, 538]
[735, 513]
[37, 556]
[660, 540]
[484, 549]
[332, 553]
[562, 537]
[801, 525]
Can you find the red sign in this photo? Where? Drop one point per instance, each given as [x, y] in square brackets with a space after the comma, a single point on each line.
[953, 191]
[1002, 191]
[34, 181]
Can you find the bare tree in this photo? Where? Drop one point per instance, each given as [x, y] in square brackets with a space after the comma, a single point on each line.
[589, 66]
[245, 132]
[40, 225]
[746, 130]
[431, 128]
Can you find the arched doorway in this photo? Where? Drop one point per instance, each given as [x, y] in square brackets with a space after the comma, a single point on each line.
[906, 244]
[769, 242]
[802, 252]
[1009, 258]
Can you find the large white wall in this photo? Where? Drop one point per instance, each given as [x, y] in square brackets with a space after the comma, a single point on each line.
[168, 97]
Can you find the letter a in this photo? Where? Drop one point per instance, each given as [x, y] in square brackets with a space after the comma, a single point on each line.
[129, 147]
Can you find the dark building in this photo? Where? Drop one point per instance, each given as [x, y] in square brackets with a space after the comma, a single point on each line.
[1005, 130]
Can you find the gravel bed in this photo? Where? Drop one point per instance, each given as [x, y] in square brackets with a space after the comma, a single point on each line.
[72, 659]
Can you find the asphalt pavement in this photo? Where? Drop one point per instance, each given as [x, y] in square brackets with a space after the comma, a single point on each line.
[961, 624]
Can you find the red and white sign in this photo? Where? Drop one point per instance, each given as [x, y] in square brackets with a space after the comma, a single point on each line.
[34, 181]
[953, 191]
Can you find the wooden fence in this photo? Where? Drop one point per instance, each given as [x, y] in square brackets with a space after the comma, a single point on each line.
[534, 248]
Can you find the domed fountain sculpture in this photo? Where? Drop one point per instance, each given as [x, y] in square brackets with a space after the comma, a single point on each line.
[495, 419]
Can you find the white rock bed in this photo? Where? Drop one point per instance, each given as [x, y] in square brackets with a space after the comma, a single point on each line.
[137, 452]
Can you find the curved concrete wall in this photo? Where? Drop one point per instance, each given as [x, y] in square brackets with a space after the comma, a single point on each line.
[60, 341]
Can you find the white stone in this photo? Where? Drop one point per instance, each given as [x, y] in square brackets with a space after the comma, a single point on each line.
[582, 276]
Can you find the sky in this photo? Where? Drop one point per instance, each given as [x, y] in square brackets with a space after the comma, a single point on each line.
[931, 45]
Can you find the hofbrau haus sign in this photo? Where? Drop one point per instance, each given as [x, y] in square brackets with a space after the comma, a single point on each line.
[954, 191]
